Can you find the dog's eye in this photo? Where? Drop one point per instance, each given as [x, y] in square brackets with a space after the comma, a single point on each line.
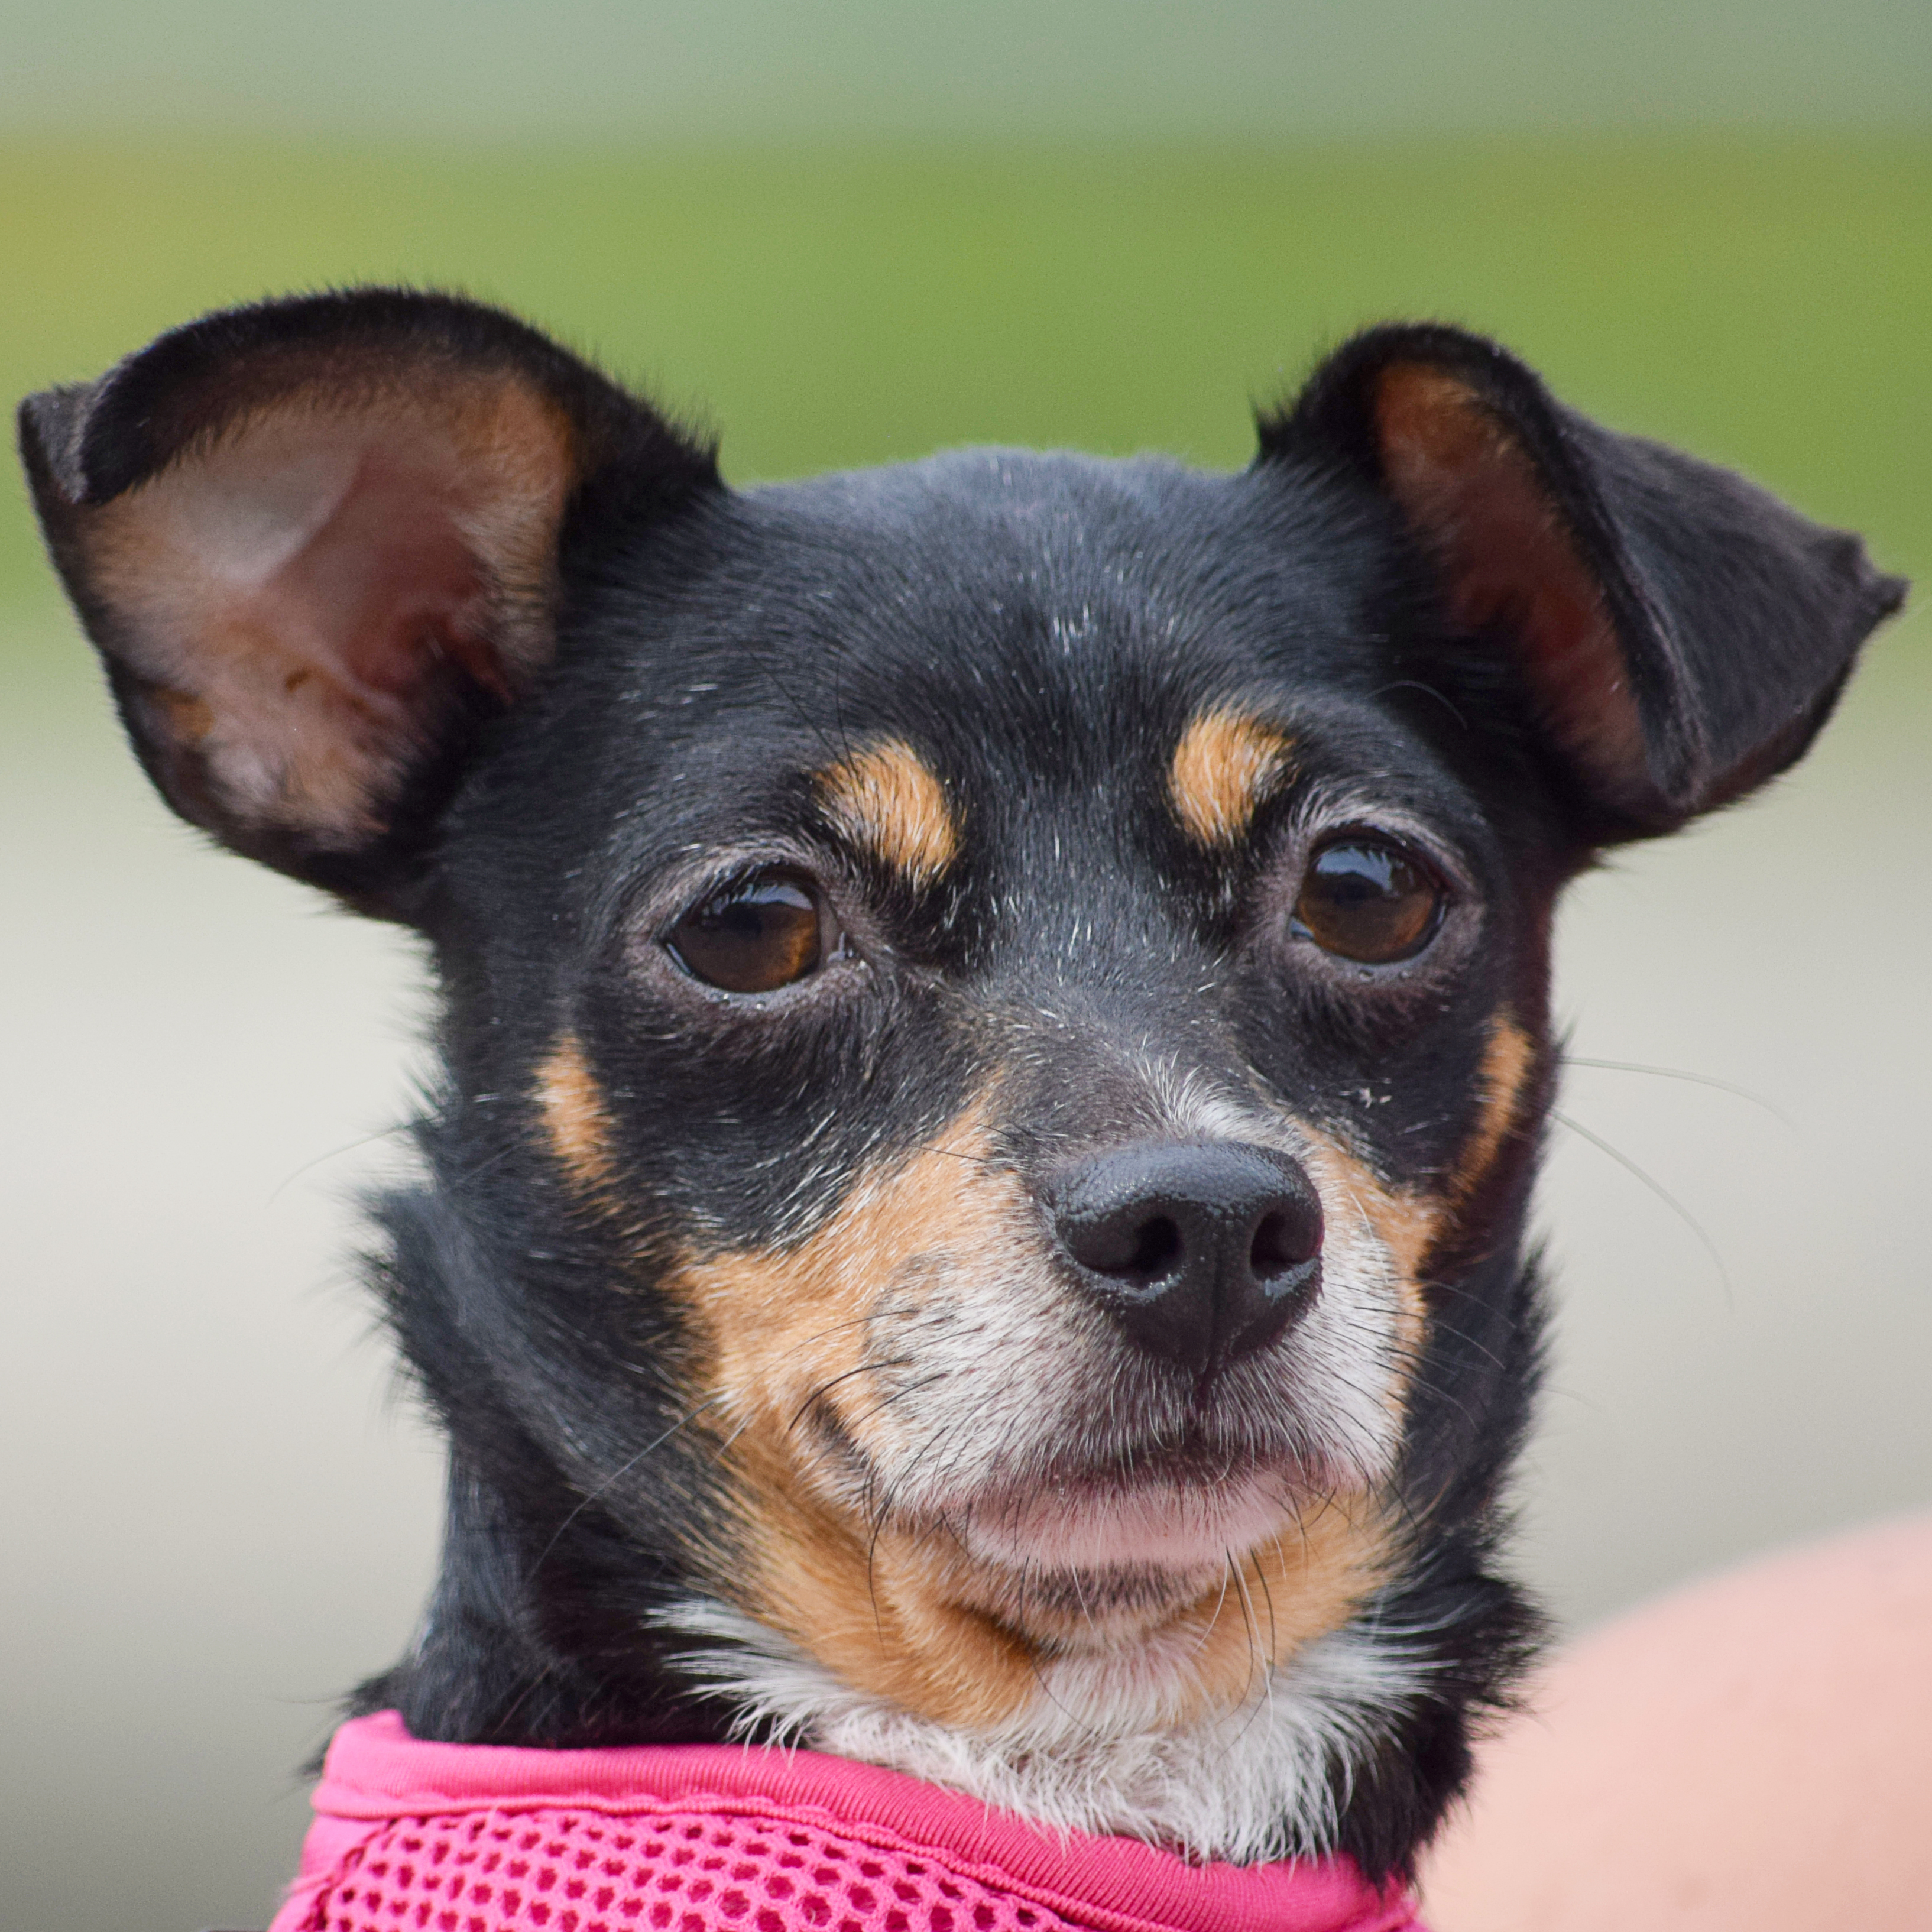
[1366, 899]
[756, 934]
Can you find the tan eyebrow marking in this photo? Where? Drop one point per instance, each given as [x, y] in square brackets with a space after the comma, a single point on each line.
[573, 1113]
[887, 799]
[1226, 764]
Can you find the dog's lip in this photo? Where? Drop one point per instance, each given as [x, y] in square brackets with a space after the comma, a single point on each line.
[1107, 1524]
[1176, 1506]
[1194, 1461]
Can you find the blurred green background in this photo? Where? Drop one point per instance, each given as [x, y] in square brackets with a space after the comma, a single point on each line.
[844, 234]
[1761, 296]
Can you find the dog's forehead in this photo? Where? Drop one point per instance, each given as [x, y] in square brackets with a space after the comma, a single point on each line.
[1066, 569]
[1048, 620]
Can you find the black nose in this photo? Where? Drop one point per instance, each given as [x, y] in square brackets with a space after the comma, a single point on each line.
[1202, 1252]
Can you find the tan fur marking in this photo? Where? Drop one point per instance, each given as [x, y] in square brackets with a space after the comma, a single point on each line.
[887, 799]
[1225, 765]
[783, 1326]
[191, 719]
[880, 1616]
[1507, 1062]
[573, 1114]
[1300, 1585]
[1407, 1222]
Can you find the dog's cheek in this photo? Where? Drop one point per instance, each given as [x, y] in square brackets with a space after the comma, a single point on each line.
[794, 1347]
[796, 1337]
[1411, 1226]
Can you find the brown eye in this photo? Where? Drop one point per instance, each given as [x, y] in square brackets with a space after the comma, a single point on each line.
[755, 936]
[1367, 900]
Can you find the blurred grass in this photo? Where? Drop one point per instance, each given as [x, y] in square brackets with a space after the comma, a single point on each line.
[1762, 300]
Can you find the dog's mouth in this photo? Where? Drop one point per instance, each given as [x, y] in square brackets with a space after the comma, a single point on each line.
[1152, 1520]
[1108, 1551]
[1160, 1522]
[1134, 1511]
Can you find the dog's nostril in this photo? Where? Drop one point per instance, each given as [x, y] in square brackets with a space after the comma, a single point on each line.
[1267, 1252]
[1134, 1248]
[1281, 1243]
[1155, 1250]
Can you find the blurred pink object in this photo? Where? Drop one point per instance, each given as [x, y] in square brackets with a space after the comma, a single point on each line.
[697, 1838]
[1755, 1752]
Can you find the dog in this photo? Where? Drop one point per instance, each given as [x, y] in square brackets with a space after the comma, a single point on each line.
[994, 1019]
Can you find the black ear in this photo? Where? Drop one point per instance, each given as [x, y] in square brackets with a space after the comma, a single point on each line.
[317, 542]
[1681, 635]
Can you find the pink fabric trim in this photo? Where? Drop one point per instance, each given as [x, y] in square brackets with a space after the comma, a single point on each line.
[376, 1774]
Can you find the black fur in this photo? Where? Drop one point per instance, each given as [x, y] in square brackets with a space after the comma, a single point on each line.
[1040, 628]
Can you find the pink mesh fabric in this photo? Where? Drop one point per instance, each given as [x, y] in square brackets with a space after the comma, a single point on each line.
[576, 1871]
[413, 1836]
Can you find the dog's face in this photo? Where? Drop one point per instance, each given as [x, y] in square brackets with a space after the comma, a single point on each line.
[1031, 1007]
[996, 1008]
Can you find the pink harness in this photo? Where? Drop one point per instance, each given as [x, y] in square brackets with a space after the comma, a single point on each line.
[428, 1838]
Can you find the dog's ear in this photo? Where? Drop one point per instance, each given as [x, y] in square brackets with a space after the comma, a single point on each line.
[317, 542]
[1681, 635]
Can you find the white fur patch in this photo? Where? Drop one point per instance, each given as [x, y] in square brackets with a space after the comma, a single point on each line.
[1090, 1752]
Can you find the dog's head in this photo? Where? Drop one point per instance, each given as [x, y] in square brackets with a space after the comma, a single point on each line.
[996, 1011]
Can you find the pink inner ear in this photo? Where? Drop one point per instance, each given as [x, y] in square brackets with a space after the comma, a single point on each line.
[307, 595]
[1471, 492]
[387, 588]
